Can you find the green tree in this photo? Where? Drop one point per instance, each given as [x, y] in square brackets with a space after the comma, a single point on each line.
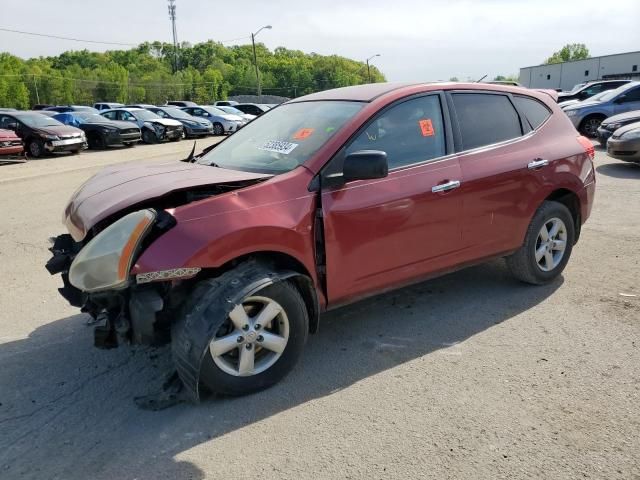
[571, 51]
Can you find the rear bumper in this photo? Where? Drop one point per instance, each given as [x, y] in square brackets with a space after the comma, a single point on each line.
[626, 150]
[587, 196]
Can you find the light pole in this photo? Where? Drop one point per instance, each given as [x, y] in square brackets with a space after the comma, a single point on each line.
[368, 69]
[255, 58]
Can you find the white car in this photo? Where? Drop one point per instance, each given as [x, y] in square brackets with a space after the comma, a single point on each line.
[223, 122]
[234, 111]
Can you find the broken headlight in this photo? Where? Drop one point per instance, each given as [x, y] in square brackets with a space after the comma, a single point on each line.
[104, 263]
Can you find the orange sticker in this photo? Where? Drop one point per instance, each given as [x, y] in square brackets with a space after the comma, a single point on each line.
[426, 127]
[303, 133]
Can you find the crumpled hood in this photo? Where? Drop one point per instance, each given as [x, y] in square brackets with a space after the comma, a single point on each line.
[8, 135]
[623, 118]
[627, 128]
[119, 187]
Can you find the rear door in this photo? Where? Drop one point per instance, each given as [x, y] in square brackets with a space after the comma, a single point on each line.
[385, 232]
[503, 164]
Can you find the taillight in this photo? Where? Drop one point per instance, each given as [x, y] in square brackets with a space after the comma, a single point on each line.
[588, 146]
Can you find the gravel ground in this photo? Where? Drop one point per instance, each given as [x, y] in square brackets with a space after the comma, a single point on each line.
[471, 375]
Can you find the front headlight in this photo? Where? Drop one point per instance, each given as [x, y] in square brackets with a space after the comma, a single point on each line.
[612, 126]
[104, 263]
[631, 134]
[52, 137]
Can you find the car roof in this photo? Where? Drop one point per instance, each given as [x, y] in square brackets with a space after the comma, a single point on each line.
[369, 92]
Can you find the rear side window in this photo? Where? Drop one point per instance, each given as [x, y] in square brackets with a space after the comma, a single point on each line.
[535, 112]
[485, 119]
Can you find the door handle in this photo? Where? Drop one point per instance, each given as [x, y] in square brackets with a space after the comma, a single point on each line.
[537, 163]
[443, 187]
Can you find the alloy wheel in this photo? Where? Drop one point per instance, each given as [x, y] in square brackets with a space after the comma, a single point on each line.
[252, 339]
[34, 148]
[551, 244]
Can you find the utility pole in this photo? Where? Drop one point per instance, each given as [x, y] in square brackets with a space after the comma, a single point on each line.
[172, 16]
[35, 84]
[255, 59]
[368, 68]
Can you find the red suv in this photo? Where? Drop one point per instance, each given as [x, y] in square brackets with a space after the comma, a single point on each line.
[233, 255]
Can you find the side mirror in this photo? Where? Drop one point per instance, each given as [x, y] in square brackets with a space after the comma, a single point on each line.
[365, 165]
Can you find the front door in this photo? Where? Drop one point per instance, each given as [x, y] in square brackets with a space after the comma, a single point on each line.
[628, 102]
[382, 233]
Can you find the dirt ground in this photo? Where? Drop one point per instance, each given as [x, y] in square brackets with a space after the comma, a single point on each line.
[471, 375]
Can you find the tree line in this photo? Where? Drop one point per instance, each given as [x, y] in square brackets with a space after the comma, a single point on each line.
[207, 72]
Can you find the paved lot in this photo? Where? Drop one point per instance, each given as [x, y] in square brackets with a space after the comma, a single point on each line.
[468, 376]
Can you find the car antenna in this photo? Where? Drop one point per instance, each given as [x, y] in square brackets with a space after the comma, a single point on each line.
[189, 159]
[478, 81]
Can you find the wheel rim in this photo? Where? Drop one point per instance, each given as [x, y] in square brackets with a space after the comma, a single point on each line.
[551, 244]
[252, 339]
[34, 148]
[591, 126]
[218, 129]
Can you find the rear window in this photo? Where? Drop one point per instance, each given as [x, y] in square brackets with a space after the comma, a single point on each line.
[534, 111]
[485, 119]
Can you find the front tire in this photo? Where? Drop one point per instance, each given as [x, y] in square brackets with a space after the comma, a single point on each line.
[218, 129]
[547, 245]
[36, 148]
[149, 137]
[256, 345]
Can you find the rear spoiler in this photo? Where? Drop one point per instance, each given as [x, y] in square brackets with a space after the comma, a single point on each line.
[552, 93]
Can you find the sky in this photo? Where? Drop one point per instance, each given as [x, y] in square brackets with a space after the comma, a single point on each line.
[418, 40]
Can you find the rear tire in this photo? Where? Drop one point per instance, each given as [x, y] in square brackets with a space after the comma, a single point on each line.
[589, 126]
[224, 369]
[539, 261]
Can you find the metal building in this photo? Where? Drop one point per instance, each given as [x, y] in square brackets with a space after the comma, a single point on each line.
[566, 75]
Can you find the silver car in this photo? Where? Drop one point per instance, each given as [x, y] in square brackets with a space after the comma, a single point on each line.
[587, 116]
[222, 121]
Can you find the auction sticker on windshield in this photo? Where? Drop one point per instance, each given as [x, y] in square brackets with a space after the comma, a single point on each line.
[278, 146]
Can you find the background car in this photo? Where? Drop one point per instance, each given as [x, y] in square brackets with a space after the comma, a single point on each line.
[181, 103]
[225, 103]
[100, 131]
[234, 111]
[71, 108]
[582, 91]
[222, 121]
[567, 103]
[42, 134]
[41, 106]
[624, 144]
[107, 105]
[154, 128]
[139, 105]
[256, 109]
[611, 124]
[587, 116]
[10, 143]
[193, 126]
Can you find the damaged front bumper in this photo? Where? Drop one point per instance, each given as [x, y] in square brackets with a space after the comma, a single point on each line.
[123, 316]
